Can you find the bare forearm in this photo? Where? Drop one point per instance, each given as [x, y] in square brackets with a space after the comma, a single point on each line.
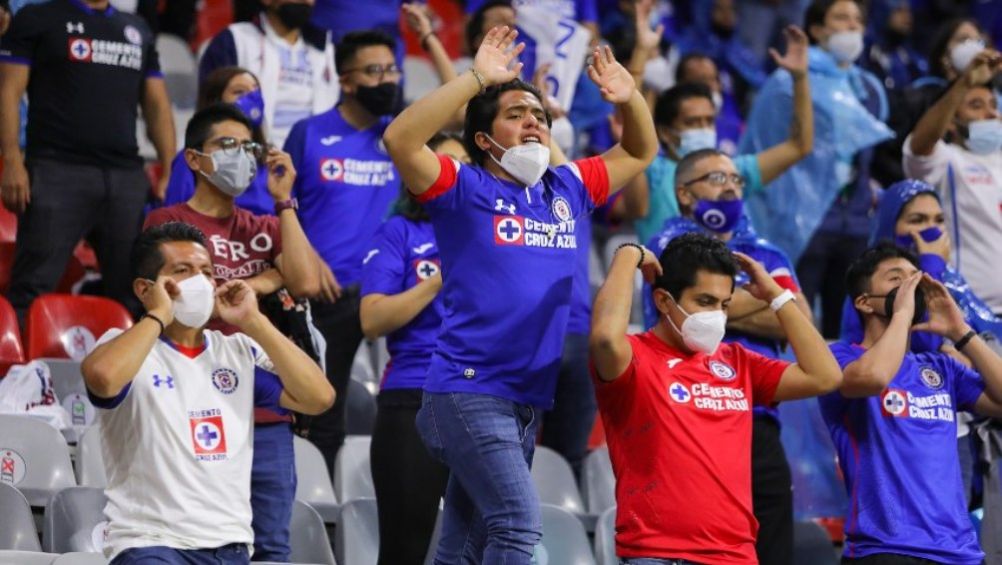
[12, 86]
[266, 282]
[301, 377]
[614, 301]
[113, 365]
[639, 138]
[299, 268]
[988, 364]
[931, 127]
[871, 373]
[762, 323]
[387, 313]
[802, 126]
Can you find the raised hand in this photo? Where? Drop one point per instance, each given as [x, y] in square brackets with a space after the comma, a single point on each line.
[159, 299]
[416, 16]
[496, 55]
[945, 317]
[762, 286]
[647, 39]
[651, 267]
[236, 303]
[551, 104]
[613, 80]
[939, 247]
[983, 68]
[904, 300]
[795, 59]
[281, 174]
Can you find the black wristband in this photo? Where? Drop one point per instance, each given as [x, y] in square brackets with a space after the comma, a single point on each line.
[155, 319]
[639, 248]
[962, 342]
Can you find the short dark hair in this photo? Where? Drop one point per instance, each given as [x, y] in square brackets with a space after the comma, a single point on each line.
[210, 90]
[816, 13]
[688, 162]
[200, 125]
[474, 27]
[147, 259]
[352, 42]
[685, 60]
[857, 278]
[482, 110]
[669, 104]
[688, 254]
[941, 40]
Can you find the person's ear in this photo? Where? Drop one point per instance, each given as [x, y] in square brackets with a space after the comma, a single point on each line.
[140, 287]
[662, 301]
[817, 33]
[193, 159]
[480, 138]
[862, 304]
[664, 134]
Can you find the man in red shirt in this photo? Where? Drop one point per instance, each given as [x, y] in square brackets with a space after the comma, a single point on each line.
[677, 404]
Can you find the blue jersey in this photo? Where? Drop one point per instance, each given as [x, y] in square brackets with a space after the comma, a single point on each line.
[345, 183]
[509, 254]
[402, 255]
[898, 454]
[181, 187]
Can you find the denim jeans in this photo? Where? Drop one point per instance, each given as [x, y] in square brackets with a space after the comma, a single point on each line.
[273, 488]
[492, 511]
[232, 554]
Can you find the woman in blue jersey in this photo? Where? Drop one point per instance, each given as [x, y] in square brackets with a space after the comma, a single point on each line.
[238, 86]
[401, 280]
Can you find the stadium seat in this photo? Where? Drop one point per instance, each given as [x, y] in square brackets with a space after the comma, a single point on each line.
[352, 475]
[34, 458]
[74, 521]
[11, 351]
[18, 531]
[361, 409]
[8, 225]
[80, 558]
[811, 544]
[356, 540]
[308, 534]
[605, 538]
[554, 481]
[313, 480]
[90, 460]
[6, 264]
[565, 541]
[599, 481]
[65, 326]
[179, 68]
[361, 365]
[27, 557]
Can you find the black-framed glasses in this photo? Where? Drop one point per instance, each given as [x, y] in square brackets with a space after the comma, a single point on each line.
[719, 178]
[230, 146]
[377, 71]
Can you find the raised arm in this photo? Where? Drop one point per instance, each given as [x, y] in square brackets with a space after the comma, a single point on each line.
[610, 349]
[305, 388]
[113, 365]
[639, 143]
[300, 270]
[159, 128]
[816, 371]
[15, 186]
[407, 135]
[645, 46]
[775, 160]
[934, 123]
[418, 20]
[750, 315]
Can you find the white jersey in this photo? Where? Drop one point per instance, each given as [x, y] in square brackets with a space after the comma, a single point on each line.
[178, 447]
[970, 186]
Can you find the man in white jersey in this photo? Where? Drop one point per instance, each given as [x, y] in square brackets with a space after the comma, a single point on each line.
[177, 406]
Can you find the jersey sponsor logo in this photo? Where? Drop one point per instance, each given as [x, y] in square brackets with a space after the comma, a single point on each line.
[931, 378]
[679, 393]
[331, 169]
[372, 253]
[722, 370]
[423, 248]
[894, 402]
[561, 209]
[77, 342]
[132, 35]
[330, 140]
[903, 404]
[102, 52]
[519, 230]
[237, 250]
[74, 27]
[357, 172]
[508, 230]
[225, 380]
[719, 398]
[426, 269]
[80, 49]
[208, 436]
[12, 467]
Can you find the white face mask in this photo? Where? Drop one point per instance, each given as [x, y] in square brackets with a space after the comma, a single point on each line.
[984, 136]
[526, 162]
[702, 331]
[845, 46]
[964, 52]
[194, 306]
[658, 74]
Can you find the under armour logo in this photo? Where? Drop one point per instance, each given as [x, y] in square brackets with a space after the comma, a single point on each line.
[74, 27]
[500, 206]
[168, 382]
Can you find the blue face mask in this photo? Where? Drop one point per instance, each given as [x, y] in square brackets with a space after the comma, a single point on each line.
[928, 235]
[984, 136]
[695, 139]
[252, 105]
[718, 215]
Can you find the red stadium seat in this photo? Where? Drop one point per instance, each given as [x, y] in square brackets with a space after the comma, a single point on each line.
[8, 225]
[6, 264]
[11, 351]
[64, 326]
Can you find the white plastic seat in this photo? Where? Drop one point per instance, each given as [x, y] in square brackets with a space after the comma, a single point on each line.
[18, 531]
[34, 458]
[314, 485]
[352, 475]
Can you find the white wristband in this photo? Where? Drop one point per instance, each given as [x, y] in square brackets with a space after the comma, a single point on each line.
[781, 300]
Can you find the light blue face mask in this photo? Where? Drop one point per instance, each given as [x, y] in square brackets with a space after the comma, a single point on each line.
[984, 136]
[695, 139]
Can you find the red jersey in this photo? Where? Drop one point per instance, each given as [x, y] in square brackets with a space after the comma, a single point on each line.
[679, 430]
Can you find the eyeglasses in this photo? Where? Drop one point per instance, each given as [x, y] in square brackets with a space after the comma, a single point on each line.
[377, 71]
[719, 178]
[230, 146]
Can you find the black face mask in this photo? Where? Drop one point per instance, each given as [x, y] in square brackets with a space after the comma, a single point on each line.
[294, 16]
[380, 100]
[920, 309]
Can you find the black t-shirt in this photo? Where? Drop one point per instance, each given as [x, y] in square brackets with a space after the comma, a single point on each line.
[88, 69]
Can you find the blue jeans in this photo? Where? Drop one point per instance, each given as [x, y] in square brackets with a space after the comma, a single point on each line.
[492, 511]
[273, 489]
[232, 554]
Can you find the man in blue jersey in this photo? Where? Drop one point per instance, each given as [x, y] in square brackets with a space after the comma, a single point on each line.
[344, 186]
[505, 230]
[709, 191]
[893, 420]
